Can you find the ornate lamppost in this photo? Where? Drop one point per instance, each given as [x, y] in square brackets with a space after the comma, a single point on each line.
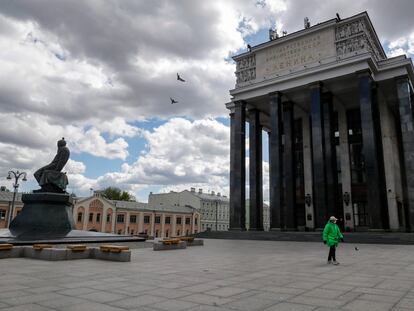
[16, 176]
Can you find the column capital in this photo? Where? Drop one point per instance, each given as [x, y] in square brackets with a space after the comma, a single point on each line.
[276, 94]
[364, 73]
[315, 85]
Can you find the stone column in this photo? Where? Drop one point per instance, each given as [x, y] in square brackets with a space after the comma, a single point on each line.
[162, 225]
[127, 215]
[113, 218]
[141, 222]
[275, 162]
[174, 226]
[255, 171]
[193, 223]
[391, 157]
[86, 217]
[372, 151]
[289, 208]
[318, 156]
[238, 167]
[345, 168]
[152, 223]
[103, 225]
[183, 217]
[307, 172]
[407, 134]
[330, 157]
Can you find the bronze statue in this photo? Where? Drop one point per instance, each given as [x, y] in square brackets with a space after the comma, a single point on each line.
[50, 177]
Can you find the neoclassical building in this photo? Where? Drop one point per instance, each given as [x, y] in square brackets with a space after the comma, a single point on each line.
[97, 213]
[6, 199]
[212, 207]
[339, 116]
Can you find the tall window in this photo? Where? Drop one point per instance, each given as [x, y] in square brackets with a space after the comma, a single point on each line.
[187, 221]
[178, 220]
[120, 218]
[168, 220]
[157, 219]
[108, 218]
[98, 217]
[196, 221]
[90, 217]
[2, 214]
[146, 219]
[133, 219]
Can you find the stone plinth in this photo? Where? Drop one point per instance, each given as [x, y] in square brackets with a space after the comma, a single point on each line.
[195, 242]
[43, 215]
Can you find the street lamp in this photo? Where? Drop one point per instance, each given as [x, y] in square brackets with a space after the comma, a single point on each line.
[16, 176]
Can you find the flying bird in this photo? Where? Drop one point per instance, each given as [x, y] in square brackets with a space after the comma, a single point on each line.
[179, 78]
[338, 18]
[173, 101]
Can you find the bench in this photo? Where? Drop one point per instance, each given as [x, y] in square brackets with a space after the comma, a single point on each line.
[6, 247]
[171, 241]
[113, 248]
[77, 247]
[39, 247]
[187, 238]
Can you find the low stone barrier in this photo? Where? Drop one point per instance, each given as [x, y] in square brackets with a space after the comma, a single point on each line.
[57, 254]
[195, 242]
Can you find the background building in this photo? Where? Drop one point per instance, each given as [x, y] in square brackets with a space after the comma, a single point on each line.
[97, 213]
[213, 207]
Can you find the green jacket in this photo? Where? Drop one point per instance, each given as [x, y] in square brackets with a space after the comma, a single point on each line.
[331, 234]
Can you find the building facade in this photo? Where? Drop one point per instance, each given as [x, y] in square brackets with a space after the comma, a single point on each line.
[339, 118]
[213, 207]
[6, 199]
[96, 213]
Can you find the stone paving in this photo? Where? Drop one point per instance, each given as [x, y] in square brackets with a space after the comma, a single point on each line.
[223, 275]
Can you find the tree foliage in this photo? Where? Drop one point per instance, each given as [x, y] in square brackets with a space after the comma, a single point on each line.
[114, 193]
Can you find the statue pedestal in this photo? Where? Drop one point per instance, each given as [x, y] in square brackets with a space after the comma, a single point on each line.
[43, 215]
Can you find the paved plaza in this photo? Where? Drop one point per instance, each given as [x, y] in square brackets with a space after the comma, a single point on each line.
[223, 275]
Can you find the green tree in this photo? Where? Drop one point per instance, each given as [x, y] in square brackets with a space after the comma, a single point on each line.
[114, 193]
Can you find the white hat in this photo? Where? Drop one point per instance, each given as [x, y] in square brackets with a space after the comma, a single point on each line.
[333, 218]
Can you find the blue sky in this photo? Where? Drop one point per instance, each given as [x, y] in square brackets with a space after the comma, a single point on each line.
[101, 75]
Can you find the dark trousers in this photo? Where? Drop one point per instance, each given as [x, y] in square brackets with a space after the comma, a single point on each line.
[331, 255]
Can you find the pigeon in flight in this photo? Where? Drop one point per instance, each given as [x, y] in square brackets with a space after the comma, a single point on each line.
[179, 78]
[173, 101]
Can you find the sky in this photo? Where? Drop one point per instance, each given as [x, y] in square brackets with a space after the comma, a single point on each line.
[101, 74]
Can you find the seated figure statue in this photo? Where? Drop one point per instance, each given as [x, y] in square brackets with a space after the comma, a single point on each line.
[50, 177]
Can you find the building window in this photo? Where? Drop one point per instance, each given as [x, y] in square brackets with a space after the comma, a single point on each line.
[146, 231]
[178, 220]
[168, 220]
[120, 218]
[196, 221]
[146, 219]
[178, 232]
[80, 217]
[166, 234]
[108, 218]
[156, 233]
[187, 221]
[157, 219]
[119, 231]
[187, 232]
[90, 217]
[133, 219]
[98, 217]
[132, 232]
[2, 214]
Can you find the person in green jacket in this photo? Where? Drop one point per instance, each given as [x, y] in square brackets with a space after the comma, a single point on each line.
[331, 236]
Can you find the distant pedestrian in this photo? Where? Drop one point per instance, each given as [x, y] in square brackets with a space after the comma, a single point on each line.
[331, 237]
